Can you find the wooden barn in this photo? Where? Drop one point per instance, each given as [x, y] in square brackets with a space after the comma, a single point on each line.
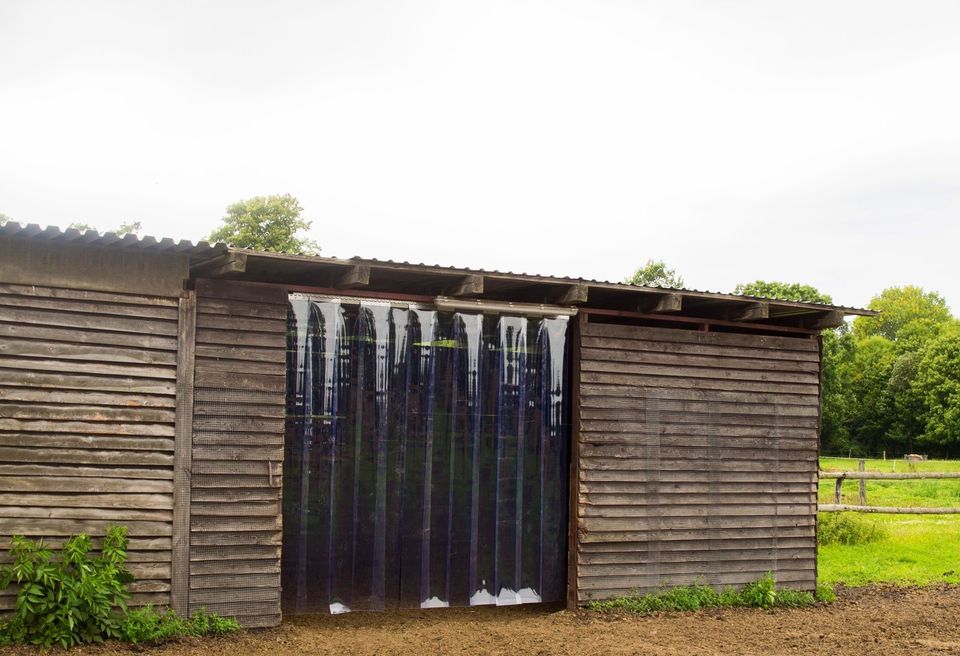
[285, 433]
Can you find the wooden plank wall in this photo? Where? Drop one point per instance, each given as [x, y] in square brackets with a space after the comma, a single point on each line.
[697, 459]
[87, 398]
[238, 426]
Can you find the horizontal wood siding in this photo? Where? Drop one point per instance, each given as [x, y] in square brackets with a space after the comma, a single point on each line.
[237, 459]
[697, 459]
[87, 400]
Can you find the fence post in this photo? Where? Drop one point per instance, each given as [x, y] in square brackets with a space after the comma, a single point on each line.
[837, 490]
[863, 484]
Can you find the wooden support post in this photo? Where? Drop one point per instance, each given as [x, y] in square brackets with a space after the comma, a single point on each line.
[838, 490]
[183, 454]
[573, 528]
[574, 295]
[863, 484]
[356, 276]
[759, 310]
[662, 303]
[471, 285]
[221, 265]
[829, 319]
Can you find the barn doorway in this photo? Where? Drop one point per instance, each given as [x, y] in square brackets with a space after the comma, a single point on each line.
[426, 457]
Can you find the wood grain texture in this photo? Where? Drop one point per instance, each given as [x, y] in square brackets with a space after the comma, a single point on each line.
[239, 407]
[697, 459]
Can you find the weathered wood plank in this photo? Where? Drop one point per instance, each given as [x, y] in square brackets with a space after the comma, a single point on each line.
[134, 501]
[86, 295]
[77, 413]
[134, 474]
[242, 581]
[62, 441]
[78, 321]
[73, 336]
[26, 348]
[183, 460]
[74, 381]
[227, 337]
[699, 337]
[236, 381]
[709, 361]
[671, 381]
[86, 367]
[246, 552]
[241, 291]
[691, 371]
[224, 322]
[220, 508]
[58, 483]
[68, 526]
[72, 307]
[275, 356]
[84, 456]
[88, 398]
[110, 514]
[641, 346]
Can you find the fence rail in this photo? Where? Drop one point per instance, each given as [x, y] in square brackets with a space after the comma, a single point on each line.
[863, 476]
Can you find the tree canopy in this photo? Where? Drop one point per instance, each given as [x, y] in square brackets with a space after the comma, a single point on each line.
[129, 227]
[783, 290]
[4, 219]
[655, 273]
[899, 306]
[266, 223]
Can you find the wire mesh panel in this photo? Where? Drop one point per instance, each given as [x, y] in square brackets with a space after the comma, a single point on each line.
[425, 458]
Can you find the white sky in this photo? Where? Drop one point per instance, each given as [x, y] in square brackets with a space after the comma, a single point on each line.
[816, 142]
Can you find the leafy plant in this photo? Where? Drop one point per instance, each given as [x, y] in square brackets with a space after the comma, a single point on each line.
[73, 599]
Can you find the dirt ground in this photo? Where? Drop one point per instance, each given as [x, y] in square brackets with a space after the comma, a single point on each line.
[875, 620]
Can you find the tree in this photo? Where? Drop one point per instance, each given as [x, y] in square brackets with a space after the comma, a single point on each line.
[899, 306]
[783, 290]
[655, 273]
[266, 223]
[4, 219]
[130, 227]
[937, 384]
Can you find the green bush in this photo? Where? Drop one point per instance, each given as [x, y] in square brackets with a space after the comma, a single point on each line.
[77, 598]
[762, 593]
[847, 528]
[70, 600]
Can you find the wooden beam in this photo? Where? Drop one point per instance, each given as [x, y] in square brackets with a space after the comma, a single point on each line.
[758, 310]
[356, 276]
[829, 319]
[662, 303]
[471, 285]
[574, 294]
[183, 454]
[221, 265]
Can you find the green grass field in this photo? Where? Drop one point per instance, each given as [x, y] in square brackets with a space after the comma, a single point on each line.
[914, 549]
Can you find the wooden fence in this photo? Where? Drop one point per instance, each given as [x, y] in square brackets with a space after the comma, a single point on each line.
[863, 476]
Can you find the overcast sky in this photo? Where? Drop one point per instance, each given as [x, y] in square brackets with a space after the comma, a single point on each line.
[816, 142]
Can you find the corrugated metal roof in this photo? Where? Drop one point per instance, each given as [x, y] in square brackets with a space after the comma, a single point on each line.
[109, 239]
[204, 249]
[535, 277]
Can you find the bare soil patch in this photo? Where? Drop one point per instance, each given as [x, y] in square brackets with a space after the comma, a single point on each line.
[873, 620]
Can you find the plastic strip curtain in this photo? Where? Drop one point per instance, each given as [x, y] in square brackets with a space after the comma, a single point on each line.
[426, 458]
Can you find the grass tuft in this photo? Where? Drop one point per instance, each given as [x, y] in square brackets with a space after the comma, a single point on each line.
[847, 528]
[762, 593]
[148, 625]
